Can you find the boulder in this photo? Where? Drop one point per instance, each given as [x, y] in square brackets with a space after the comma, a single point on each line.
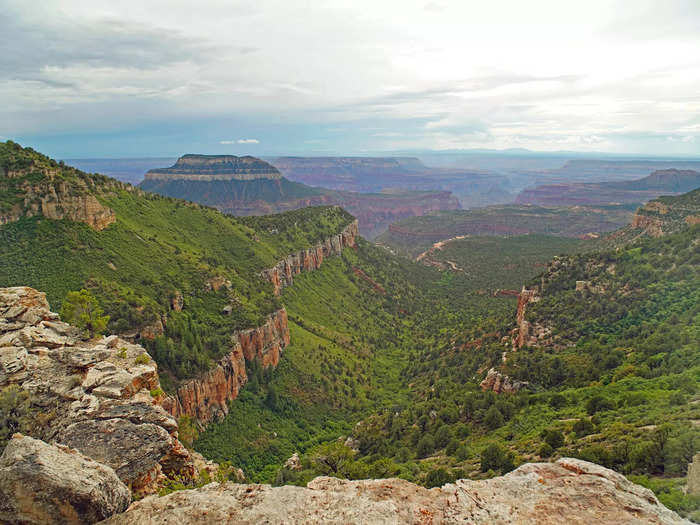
[102, 394]
[42, 483]
[569, 491]
[132, 450]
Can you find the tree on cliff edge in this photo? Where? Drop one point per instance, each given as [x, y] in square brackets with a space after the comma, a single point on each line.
[81, 310]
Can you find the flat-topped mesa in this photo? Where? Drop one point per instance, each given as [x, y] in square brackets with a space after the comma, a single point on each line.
[282, 274]
[216, 167]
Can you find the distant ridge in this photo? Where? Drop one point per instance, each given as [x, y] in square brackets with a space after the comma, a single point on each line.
[215, 167]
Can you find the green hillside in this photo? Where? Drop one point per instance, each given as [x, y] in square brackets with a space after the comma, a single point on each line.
[157, 247]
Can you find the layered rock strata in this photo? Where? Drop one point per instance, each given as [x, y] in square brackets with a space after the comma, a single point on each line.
[206, 398]
[282, 274]
[99, 396]
[57, 200]
[215, 167]
[568, 491]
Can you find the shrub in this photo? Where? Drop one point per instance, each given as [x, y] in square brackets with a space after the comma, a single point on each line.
[438, 477]
[598, 404]
[15, 413]
[495, 457]
[553, 438]
[426, 445]
[583, 427]
[493, 418]
[545, 450]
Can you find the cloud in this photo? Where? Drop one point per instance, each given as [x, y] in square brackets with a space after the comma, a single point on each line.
[464, 74]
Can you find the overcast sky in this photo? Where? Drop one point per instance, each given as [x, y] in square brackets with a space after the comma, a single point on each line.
[113, 78]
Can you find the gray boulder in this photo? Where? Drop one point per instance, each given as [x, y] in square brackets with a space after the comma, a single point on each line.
[42, 483]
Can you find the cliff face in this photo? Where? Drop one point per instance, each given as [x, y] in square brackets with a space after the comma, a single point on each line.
[57, 200]
[567, 491]
[102, 394]
[206, 398]
[215, 167]
[282, 274]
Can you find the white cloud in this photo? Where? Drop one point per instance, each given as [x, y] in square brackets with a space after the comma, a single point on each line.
[466, 74]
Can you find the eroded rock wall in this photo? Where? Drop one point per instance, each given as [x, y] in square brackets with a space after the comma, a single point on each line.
[56, 200]
[206, 397]
[282, 274]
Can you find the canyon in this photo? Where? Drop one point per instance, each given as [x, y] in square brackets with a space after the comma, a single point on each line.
[206, 398]
[257, 188]
[660, 182]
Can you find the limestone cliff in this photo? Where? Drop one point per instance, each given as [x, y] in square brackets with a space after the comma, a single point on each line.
[568, 491]
[56, 199]
[207, 397]
[99, 397]
[282, 274]
[215, 167]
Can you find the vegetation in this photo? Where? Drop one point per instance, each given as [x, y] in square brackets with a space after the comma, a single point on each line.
[81, 309]
[382, 375]
[414, 235]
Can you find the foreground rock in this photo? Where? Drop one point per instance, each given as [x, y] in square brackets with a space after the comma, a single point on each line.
[99, 397]
[568, 491]
[41, 483]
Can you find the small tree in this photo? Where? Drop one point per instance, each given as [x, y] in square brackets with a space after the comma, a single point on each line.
[493, 418]
[495, 457]
[82, 310]
[332, 459]
[15, 413]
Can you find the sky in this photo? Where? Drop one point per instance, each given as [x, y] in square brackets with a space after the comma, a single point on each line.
[94, 78]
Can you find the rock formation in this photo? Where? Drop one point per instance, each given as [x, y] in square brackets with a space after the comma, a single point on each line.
[41, 483]
[99, 396]
[207, 397]
[499, 383]
[282, 274]
[568, 491]
[694, 476]
[215, 167]
[58, 200]
[522, 331]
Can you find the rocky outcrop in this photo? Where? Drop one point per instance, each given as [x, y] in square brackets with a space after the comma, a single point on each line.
[57, 200]
[99, 396]
[41, 483]
[568, 491]
[694, 476]
[207, 397]
[215, 167]
[282, 274]
[500, 384]
[521, 334]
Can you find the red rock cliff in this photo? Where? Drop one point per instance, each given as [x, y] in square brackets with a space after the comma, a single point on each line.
[282, 274]
[206, 397]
